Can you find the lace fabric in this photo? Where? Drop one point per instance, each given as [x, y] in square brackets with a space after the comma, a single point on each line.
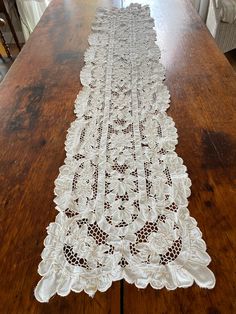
[122, 192]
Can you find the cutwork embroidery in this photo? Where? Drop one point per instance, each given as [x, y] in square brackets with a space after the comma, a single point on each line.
[122, 193]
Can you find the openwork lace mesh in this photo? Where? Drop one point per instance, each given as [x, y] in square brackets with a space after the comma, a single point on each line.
[122, 193]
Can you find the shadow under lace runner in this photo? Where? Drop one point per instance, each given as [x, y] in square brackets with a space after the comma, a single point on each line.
[122, 193]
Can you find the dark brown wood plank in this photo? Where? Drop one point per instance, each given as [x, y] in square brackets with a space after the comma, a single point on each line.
[36, 108]
[202, 85]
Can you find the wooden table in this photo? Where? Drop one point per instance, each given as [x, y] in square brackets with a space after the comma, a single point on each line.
[36, 108]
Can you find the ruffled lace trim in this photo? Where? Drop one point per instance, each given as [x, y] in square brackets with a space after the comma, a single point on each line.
[122, 192]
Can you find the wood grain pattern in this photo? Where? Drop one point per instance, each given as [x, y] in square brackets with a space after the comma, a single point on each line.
[36, 108]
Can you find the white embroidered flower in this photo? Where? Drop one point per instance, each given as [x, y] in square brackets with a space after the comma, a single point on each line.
[122, 246]
[158, 242]
[122, 184]
[159, 191]
[122, 211]
[156, 207]
[83, 185]
[83, 193]
[121, 104]
[79, 239]
[179, 191]
[121, 140]
[152, 154]
[157, 171]
[89, 151]
[146, 253]
[122, 157]
[126, 157]
[87, 171]
[57, 230]
[151, 133]
[85, 246]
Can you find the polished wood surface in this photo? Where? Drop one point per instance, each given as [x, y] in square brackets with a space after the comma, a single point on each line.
[36, 108]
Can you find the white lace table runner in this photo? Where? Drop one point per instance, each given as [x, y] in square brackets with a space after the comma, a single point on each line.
[122, 193]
